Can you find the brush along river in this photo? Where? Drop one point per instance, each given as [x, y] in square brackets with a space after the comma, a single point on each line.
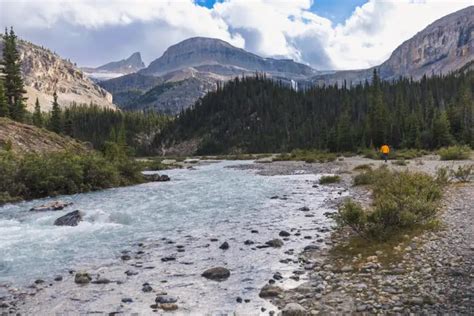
[169, 233]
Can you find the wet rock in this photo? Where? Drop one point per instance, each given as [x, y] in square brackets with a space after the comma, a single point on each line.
[125, 257]
[274, 197]
[168, 307]
[248, 242]
[269, 291]
[156, 177]
[70, 219]
[131, 272]
[146, 288]
[101, 281]
[214, 239]
[166, 259]
[304, 209]
[58, 278]
[127, 300]
[39, 281]
[311, 248]
[238, 299]
[247, 300]
[277, 276]
[275, 243]
[224, 246]
[82, 278]
[53, 206]
[165, 299]
[293, 309]
[216, 274]
[284, 233]
[254, 231]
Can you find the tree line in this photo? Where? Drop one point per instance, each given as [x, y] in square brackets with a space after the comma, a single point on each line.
[255, 114]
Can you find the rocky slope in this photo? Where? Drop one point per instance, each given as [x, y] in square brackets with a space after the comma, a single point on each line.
[45, 72]
[192, 67]
[23, 138]
[444, 46]
[114, 69]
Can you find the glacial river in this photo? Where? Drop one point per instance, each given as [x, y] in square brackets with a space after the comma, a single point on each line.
[210, 202]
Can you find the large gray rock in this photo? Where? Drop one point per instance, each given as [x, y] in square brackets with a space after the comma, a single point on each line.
[216, 274]
[293, 309]
[70, 219]
[269, 291]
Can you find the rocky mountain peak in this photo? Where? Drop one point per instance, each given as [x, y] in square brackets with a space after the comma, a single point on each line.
[124, 66]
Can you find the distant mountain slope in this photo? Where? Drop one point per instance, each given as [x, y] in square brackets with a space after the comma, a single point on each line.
[45, 72]
[116, 68]
[191, 68]
[25, 138]
[444, 46]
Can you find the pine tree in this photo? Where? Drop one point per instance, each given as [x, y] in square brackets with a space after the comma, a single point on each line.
[37, 115]
[55, 122]
[4, 111]
[441, 130]
[68, 123]
[14, 87]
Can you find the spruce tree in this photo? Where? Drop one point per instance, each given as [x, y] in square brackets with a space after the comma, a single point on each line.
[4, 111]
[441, 130]
[55, 123]
[68, 124]
[37, 115]
[14, 87]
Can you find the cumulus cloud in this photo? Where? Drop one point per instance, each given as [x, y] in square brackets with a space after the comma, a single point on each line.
[115, 28]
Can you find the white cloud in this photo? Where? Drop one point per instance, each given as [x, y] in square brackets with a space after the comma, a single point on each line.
[266, 27]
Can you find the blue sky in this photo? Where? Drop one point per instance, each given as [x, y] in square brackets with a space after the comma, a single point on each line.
[325, 34]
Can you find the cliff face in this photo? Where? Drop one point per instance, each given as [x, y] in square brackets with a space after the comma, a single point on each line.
[221, 58]
[45, 72]
[444, 46]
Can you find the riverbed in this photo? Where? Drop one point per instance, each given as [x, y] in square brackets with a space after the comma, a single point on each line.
[186, 219]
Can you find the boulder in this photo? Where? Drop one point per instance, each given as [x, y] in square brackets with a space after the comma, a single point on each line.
[275, 243]
[165, 299]
[53, 206]
[216, 274]
[284, 233]
[224, 246]
[82, 278]
[156, 177]
[293, 309]
[70, 219]
[269, 291]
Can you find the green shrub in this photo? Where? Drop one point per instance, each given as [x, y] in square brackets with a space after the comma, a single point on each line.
[309, 156]
[36, 175]
[329, 179]
[463, 173]
[400, 162]
[364, 178]
[363, 167]
[401, 200]
[370, 154]
[442, 175]
[454, 153]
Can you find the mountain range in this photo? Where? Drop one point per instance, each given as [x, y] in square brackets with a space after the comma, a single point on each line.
[187, 70]
[116, 68]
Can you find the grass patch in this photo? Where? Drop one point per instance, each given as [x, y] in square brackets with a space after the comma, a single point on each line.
[309, 156]
[463, 173]
[329, 179]
[363, 167]
[402, 200]
[400, 162]
[454, 153]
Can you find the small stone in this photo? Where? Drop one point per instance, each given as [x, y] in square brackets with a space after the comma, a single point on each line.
[304, 209]
[82, 278]
[101, 281]
[131, 272]
[275, 243]
[125, 257]
[39, 281]
[216, 274]
[284, 233]
[127, 300]
[254, 231]
[293, 309]
[147, 288]
[58, 278]
[270, 291]
[168, 307]
[238, 299]
[166, 259]
[165, 299]
[361, 307]
[248, 242]
[347, 268]
[224, 246]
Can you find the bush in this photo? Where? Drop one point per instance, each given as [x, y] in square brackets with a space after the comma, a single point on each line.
[36, 175]
[401, 200]
[370, 176]
[309, 156]
[363, 167]
[442, 175]
[454, 153]
[463, 173]
[329, 179]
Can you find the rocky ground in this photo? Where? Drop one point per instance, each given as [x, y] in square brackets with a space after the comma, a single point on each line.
[425, 273]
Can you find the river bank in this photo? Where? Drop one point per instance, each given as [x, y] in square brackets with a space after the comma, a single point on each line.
[426, 272]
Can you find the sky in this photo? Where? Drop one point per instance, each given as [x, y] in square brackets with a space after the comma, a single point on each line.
[325, 34]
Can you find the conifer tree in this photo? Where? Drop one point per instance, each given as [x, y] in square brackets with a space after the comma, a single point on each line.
[4, 111]
[14, 87]
[441, 130]
[55, 122]
[68, 124]
[37, 115]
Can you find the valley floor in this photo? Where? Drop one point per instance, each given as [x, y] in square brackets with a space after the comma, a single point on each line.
[427, 273]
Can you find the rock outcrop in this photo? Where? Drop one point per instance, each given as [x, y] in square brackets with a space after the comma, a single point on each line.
[45, 72]
[114, 69]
